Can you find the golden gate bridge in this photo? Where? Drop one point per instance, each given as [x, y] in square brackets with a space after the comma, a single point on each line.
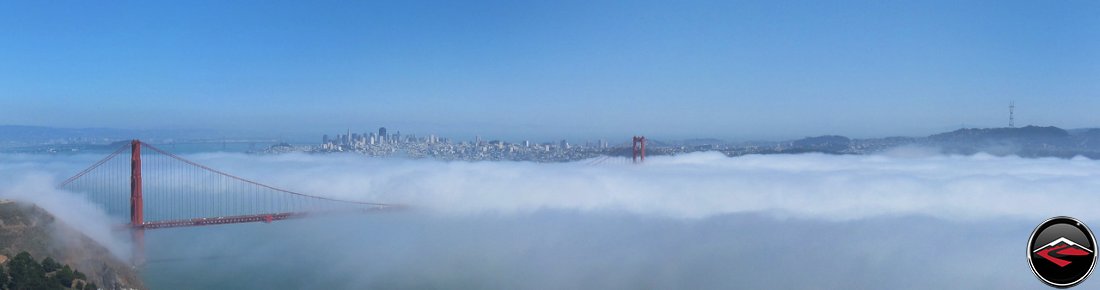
[156, 189]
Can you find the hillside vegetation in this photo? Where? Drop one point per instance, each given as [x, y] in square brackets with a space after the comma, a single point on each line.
[28, 232]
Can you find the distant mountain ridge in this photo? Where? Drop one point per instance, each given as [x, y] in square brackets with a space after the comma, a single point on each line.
[20, 135]
[19, 132]
[1027, 141]
[1028, 133]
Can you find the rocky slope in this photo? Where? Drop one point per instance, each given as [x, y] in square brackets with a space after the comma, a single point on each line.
[29, 228]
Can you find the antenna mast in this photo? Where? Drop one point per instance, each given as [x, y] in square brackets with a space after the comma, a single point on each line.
[1011, 114]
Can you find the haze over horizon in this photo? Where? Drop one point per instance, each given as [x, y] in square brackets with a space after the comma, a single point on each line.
[310, 137]
[573, 69]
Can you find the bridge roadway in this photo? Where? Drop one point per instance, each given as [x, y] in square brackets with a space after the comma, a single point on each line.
[266, 218]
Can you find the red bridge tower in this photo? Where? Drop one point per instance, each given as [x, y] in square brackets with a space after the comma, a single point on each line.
[137, 214]
[639, 148]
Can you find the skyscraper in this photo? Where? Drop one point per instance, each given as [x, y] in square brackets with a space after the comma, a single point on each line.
[382, 132]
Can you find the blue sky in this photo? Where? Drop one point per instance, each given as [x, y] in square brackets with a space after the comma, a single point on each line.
[549, 69]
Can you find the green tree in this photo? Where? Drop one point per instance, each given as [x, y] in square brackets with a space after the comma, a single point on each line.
[90, 286]
[3, 278]
[49, 265]
[64, 276]
[27, 274]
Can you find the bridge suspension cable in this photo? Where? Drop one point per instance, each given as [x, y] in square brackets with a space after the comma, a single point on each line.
[172, 191]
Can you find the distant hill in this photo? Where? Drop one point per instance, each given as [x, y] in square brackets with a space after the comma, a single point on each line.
[1028, 141]
[1023, 134]
[827, 143]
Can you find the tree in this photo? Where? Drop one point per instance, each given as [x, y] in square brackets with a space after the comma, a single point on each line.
[90, 286]
[64, 276]
[3, 278]
[49, 265]
[27, 274]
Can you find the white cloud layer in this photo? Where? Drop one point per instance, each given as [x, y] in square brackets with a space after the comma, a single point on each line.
[38, 188]
[704, 184]
[905, 219]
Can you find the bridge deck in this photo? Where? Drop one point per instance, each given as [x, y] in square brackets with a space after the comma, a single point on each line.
[267, 218]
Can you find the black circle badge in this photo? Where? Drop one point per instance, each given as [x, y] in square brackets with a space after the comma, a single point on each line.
[1062, 251]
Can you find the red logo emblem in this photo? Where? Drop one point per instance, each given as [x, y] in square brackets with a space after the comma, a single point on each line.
[1062, 247]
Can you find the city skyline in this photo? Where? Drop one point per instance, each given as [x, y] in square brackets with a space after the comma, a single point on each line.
[103, 133]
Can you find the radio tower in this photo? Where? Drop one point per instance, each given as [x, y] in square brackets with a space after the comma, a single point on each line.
[1011, 114]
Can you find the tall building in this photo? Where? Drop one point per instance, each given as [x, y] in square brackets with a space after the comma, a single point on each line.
[382, 132]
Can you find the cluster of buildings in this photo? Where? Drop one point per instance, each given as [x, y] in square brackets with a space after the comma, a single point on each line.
[357, 141]
[384, 143]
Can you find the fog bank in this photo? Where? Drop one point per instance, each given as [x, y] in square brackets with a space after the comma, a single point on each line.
[902, 220]
[812, 186]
